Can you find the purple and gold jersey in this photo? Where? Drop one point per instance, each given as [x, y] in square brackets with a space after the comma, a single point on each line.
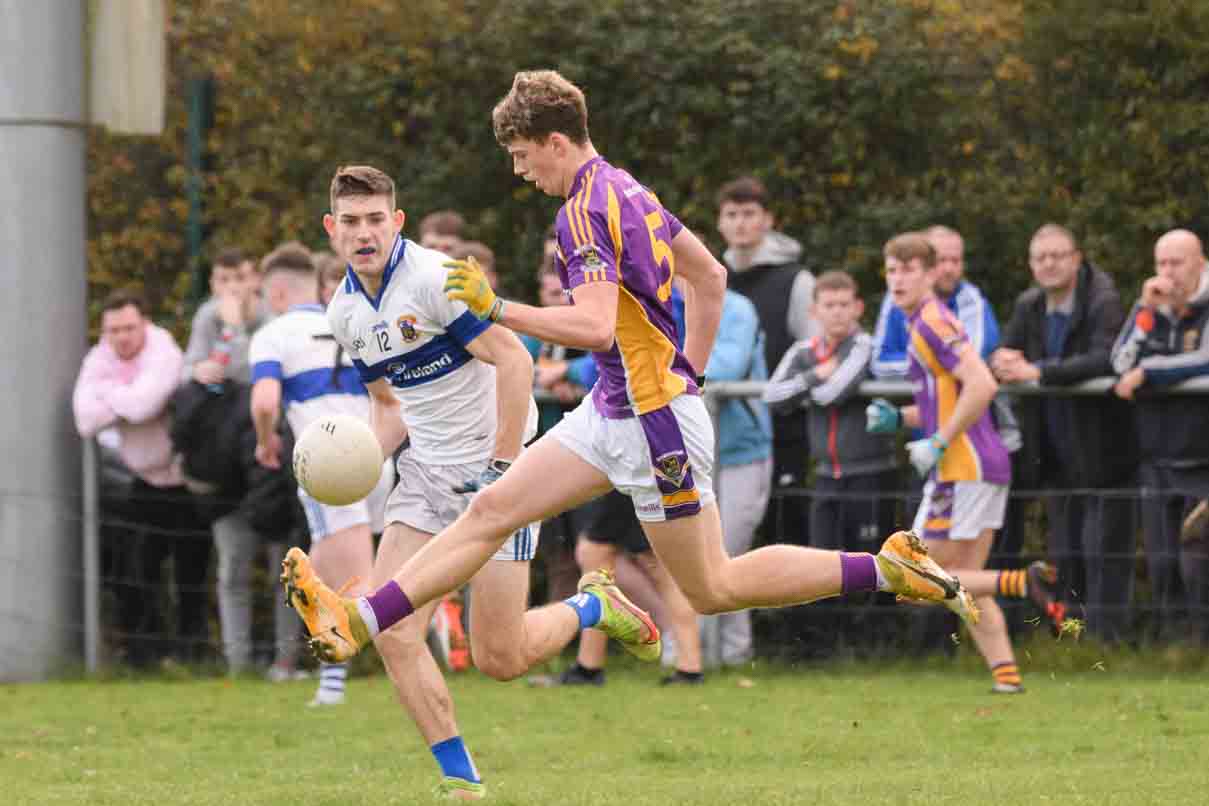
[935, 339]
[614, 230]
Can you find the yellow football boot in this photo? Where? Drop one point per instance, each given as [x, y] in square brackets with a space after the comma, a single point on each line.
[912, 574]
[622, 619]
[336, 628]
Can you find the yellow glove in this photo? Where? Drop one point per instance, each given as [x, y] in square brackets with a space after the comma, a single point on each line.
[465, 281]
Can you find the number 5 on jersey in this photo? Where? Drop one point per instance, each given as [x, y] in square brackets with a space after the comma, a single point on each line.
[661, 251]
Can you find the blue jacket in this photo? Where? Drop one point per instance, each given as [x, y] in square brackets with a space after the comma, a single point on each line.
[890, 333]
[744, 428]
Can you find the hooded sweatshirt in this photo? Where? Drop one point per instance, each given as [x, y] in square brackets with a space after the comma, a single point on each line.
[781, 289]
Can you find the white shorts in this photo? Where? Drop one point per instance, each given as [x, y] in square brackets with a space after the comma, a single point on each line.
[324, 520]
[662, 460]
[424, 499]
[960, 510]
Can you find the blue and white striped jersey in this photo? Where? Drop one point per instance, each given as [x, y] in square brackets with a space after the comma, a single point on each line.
[298, 349]
[412, 335]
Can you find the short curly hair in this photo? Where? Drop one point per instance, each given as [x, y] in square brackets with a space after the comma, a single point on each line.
[540, 103]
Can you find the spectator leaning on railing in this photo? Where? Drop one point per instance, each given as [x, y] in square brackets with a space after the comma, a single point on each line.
[823, 375]
[1061, 332]
[126, 381]
[1165, 341]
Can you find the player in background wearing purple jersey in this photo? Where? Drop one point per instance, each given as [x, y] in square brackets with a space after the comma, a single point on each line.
[962, 458]
[644, 429]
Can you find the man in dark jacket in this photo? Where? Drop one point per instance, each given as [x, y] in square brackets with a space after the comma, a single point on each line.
[1061, 333]
[1166, 341]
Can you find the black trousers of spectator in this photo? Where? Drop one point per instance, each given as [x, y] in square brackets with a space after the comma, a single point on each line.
[1194, 565]
[1167, 495]
[1091, 541]
[166, 525]
[853, 513]
[787, 518]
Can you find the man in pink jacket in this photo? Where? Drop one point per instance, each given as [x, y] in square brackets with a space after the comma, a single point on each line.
[125, 382]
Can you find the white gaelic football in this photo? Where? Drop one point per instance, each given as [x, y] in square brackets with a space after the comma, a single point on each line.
[338, 460]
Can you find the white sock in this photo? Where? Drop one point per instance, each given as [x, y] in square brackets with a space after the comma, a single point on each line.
[332, 677]
[882, 584]
[368, 616]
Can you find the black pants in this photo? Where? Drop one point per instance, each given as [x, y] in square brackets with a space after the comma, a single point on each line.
[1091, 541]
[787, 517]
[854, 513]
[1178, 587]
[165, 525]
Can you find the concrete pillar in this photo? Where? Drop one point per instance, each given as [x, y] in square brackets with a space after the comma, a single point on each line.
[43, 333]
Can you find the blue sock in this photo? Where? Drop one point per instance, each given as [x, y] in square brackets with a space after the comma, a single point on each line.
[455, 761]
[587, 607]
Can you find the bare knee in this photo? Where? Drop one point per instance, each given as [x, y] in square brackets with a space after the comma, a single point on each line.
[710, 601]
[590, 555]
[398, 648]
[499, 662]
[491, 512]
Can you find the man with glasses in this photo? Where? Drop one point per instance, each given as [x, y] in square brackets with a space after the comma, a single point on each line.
[1061, 332]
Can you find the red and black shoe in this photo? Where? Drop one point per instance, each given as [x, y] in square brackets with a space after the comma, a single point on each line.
[1043, 590]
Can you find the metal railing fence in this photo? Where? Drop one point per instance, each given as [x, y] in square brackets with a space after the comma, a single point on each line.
[93, 519]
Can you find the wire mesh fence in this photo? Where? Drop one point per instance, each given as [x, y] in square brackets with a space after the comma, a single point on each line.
[149, 570]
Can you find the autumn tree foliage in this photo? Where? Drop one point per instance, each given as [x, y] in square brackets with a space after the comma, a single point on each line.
[864, 117]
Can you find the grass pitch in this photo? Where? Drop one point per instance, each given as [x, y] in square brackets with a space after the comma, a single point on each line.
[923, 734]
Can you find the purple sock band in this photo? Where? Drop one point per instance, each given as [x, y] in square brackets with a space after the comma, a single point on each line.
[390, 605]
[857, 572]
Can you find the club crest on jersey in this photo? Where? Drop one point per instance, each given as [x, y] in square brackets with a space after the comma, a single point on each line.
[671, 467]
[591, 258]
[407, 327]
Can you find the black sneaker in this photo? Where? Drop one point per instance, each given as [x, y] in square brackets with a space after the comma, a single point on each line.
[579, 676]
[679, 678]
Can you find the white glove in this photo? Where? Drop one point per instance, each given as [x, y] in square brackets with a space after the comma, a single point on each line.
[925, 453]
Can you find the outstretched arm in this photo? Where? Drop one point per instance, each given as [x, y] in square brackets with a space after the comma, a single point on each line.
[589, 324]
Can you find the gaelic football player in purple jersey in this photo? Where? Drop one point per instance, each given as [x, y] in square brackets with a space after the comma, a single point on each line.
[644, 429]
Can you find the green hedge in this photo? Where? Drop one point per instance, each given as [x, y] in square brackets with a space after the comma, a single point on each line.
[865, 117]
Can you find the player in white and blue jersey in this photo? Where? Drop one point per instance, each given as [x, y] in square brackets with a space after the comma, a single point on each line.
[297, 366]
[460, 390]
